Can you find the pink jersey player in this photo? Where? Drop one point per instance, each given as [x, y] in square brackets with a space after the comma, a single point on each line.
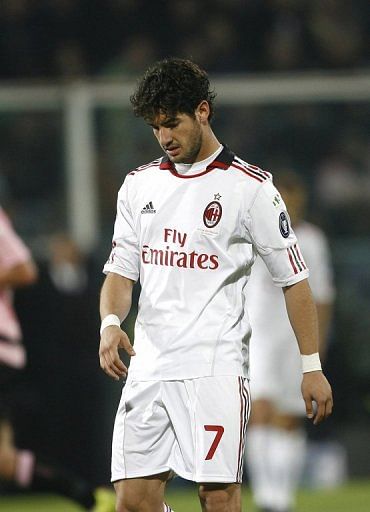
[14, 257]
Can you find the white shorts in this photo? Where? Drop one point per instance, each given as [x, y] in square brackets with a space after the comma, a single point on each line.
[276, 373]
[195, 427]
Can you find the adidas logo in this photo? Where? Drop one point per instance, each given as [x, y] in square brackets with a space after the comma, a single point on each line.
[149, 208]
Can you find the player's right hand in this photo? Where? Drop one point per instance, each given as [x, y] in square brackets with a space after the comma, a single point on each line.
[111, 340]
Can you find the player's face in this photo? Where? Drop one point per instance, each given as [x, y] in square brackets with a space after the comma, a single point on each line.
[180, 137]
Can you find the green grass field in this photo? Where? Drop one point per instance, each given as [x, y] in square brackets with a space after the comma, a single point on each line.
[354, 497]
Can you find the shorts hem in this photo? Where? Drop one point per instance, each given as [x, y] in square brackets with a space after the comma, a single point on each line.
[139, 474]
[206, 478]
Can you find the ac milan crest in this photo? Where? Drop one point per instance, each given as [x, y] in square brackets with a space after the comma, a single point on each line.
[212, 214]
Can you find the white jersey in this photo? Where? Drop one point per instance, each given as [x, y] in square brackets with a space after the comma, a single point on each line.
[192, 238]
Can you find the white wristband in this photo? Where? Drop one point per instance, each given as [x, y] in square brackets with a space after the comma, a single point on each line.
[311, 363]
[110, 320]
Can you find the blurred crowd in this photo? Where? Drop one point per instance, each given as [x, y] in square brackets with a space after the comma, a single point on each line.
[64, 39]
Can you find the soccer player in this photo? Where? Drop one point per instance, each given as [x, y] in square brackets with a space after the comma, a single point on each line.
[21, 467]
[275, 448]
[189, 225]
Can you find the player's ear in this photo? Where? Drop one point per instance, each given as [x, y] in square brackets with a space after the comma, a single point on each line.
[202, 112]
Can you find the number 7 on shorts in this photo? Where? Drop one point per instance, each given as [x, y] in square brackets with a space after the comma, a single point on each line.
[219, 432]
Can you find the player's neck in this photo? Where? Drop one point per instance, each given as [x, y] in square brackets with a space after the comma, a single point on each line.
[199, 165]
[209, 146]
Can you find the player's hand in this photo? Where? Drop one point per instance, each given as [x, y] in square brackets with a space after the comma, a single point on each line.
[316, 388]
[111, 340]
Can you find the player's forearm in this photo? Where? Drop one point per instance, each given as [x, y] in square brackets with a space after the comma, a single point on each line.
[303, 316]
[116, 296]
[20, 275]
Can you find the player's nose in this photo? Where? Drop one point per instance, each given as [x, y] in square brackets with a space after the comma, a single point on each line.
[165, 136]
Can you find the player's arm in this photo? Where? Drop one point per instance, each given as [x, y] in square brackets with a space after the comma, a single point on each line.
[115, 301]
[18, 268]
[303, 318]
[22, 274]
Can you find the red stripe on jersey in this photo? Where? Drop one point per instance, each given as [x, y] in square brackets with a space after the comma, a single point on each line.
[246, 419]
[258, 178]
[241, 428]
[155, 163]
[300, 257]
[244, 415]
[166, 166]
[291, 261]
[297, 262]
[218, 165]
[256, 171]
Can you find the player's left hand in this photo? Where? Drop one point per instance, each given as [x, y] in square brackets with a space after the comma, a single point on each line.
[316, 388]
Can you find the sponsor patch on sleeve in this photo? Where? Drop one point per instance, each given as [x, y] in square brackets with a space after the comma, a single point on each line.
[284, 225]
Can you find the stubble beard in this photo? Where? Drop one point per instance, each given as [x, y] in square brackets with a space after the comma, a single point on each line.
[191, 153]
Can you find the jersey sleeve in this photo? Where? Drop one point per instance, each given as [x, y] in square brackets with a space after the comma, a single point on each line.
[270, 232]
[124, 256]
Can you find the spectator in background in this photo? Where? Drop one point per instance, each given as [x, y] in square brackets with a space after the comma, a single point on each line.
[70, 62]
[338, 32]
[19, 467]
[39, 39]
[222, 54]
[132, 58]
[275, 439]
[285, 42]
[17, 40]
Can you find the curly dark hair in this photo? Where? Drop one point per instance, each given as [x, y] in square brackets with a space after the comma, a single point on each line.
[172, 86]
